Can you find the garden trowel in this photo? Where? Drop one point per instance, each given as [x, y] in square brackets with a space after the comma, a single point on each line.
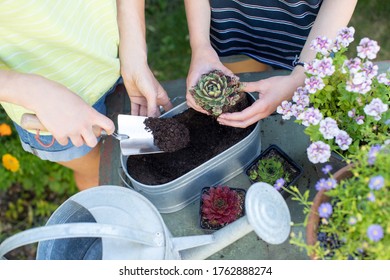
[133, 136]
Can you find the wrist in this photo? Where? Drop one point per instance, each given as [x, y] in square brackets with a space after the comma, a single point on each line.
[298, 75]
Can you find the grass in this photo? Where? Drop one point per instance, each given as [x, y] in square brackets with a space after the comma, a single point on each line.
[169, 51]
[371, 19]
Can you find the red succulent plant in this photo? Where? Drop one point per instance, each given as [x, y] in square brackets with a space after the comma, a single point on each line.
[221, 205]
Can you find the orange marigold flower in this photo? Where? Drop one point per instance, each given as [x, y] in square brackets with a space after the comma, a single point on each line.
[10, 162]
[5, 129]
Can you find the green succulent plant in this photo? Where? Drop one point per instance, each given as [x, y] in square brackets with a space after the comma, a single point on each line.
[215, 92]
[268, 170]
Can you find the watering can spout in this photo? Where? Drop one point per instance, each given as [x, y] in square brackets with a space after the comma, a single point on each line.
[222, 238]
[187, 242]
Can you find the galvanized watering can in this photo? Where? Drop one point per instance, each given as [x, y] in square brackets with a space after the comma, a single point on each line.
[111, 222]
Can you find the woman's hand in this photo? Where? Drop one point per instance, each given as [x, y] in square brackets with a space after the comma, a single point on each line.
[63, 113]
[203, 61]
[145, 92]
[272, 92]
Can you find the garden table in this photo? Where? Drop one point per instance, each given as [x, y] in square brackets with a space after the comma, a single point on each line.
[288, 135]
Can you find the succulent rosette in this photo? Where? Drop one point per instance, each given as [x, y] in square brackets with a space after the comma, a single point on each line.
[221, 205]
[216, 91]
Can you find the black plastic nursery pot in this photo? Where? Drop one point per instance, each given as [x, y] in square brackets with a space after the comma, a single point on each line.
[205, 224]
[290, 167]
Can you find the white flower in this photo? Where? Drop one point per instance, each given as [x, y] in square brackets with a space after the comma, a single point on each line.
[313, 84]
[367, 48]
[376, 108]
[285, 110]
[343, 140]
[318, 152]
[329, 128]
[345, 36]
[325, 67]
[359, 83]
[312, 116]
[322, 45]
[352, 65]
[382, 79]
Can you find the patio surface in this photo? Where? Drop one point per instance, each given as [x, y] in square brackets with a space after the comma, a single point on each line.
[287, 135]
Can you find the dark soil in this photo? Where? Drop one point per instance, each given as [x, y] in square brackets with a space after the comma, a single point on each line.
[207, 139]
[204, 223]
[169, 134]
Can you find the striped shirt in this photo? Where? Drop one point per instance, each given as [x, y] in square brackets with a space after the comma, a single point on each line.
[270, 31]
[72, 42]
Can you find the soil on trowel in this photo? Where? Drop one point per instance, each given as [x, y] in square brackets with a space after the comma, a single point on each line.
[169, 134]
[207, 139]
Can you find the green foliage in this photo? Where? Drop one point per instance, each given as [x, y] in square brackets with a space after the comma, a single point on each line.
[354, 210]
[372, 17]
[169, 50]
[268, 170]
[34, 173]
[32, 193]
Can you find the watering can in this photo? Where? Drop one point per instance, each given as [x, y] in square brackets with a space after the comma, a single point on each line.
[112, 222]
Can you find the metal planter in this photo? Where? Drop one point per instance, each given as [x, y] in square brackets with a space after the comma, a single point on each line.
[175, 195]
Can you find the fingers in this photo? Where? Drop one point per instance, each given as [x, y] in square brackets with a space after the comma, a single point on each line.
[163, 99]
[251, 86]
[192, 104]
[105, 124]
[240, 123]
[242, 119]
[154, 102]
[62, 140]
[138, 104]
[79, 140]
[88, 135]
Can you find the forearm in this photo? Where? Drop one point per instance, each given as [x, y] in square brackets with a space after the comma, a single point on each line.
[132, 34]
[20, 89]
[333, 16]
[198, 18]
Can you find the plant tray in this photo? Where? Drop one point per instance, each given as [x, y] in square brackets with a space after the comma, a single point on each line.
[289, 165]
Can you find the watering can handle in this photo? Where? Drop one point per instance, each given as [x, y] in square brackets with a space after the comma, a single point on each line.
[73, 230]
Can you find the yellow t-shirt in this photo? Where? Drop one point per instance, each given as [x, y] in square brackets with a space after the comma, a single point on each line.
[72, 42]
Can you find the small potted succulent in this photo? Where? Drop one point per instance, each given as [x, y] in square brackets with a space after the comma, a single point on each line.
[349, 215]
[220, 206]
[218, 93]
[275, 167]
[344, 102]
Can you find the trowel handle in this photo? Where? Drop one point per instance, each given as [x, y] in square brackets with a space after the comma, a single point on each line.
[31, 122]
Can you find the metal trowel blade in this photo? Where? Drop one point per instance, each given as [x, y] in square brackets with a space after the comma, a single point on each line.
[140, 140]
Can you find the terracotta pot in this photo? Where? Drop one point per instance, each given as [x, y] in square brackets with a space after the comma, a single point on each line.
[320, 197]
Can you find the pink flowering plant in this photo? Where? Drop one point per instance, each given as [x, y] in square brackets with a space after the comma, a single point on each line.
[344, 102]
[354, 223]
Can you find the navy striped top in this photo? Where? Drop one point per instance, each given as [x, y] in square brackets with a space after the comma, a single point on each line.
[270, 31]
